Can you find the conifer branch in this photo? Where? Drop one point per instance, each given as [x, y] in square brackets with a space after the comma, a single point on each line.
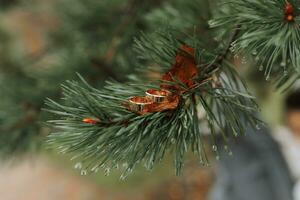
[101, 128]
[126, 136]
[269, 32]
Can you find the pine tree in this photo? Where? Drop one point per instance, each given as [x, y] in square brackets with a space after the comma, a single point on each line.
[184, 86]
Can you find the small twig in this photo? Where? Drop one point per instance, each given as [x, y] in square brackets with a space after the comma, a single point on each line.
[220, 59]
[215, 65]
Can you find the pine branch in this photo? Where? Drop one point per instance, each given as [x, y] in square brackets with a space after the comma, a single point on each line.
[115, 134]
[268, 33]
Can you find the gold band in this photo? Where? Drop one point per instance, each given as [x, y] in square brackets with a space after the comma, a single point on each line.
[157, 96]
[137, 104]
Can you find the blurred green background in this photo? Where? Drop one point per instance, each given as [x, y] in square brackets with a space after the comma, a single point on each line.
[45, 42]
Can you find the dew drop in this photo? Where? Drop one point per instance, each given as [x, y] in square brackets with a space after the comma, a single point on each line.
[261, 68]
[201, 161]
[225, 147]
[78, 165]
[244, 60]
[83, 172]
[102, 166]
[254, 53]
[257, 127]
[207, 164]
[129, 170]
[268, 78]
[116, 166]
[107, 172]
[283, 64]
[214, 148]
[95, 168]
[125, 165]
[173, 140]
[212, 23]
[122, 177]
[235, 134]
[217, 157]
[230, 153]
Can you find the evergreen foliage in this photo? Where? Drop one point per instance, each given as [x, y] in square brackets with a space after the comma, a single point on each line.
[265, 35]
[122, 136]
[99, 33]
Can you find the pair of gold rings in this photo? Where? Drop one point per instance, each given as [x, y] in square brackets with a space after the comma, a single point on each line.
[138, 104]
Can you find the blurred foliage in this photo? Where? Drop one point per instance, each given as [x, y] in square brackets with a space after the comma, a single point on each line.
[44, 43]
[6, 3]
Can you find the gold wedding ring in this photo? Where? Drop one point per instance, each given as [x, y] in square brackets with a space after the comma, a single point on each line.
[137, 104]
[157, 96]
